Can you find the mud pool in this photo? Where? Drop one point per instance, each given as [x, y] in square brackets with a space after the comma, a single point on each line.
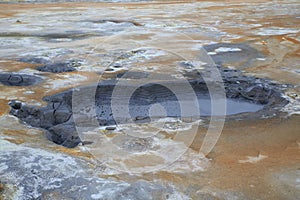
[115, 100]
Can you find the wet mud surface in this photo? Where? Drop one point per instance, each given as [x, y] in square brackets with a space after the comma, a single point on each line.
[254, 96]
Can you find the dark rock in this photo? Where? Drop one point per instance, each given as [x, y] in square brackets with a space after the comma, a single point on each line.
[140, 118]
[28, 114]
[110, 128]
[13, 79]
[56, 68]
[57, 122]
[16, 105]
[67, 66]
[116, 21]
[64, 134]
[86, 142]
[109, 70]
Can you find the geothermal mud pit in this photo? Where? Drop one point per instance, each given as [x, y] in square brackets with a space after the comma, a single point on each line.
[52, 53]
[244, 95]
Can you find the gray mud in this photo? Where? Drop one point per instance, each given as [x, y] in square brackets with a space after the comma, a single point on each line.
[56, 68]
[248, 97]
[14, 79]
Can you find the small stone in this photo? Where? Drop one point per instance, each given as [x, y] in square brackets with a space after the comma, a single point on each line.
[110, 128]
[15, 105]
[109, 70]
[140, 118]
[86, 143]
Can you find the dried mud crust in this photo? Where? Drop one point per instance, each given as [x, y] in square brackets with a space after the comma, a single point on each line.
[39, 174]
[241, 54]
[15, 79]
[57, 117]
[45, 65]
[56, 68]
